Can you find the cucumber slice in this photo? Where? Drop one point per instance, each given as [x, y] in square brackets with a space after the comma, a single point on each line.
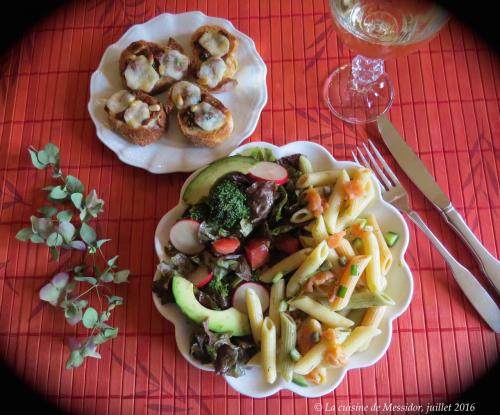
[357, 244]
[391, 238]
[300, 380]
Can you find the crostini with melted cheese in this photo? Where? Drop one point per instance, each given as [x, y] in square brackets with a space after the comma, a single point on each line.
[203, 119]
[153, 68]
[214, 60]
[138, 117]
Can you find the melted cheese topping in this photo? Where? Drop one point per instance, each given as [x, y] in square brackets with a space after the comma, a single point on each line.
[207, 117]
[140, 74]
[215, 43]
[136, 114]
[174, 64]
[185, 94]
[211, 72]
[119, 101]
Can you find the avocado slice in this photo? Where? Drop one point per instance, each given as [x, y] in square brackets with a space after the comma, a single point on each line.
[230, 320]
[200, 186]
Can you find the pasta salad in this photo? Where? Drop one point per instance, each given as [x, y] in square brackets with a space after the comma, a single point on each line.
[277, 266]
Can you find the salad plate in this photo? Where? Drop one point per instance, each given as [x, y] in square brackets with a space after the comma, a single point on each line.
[172, 152]
[399, 283]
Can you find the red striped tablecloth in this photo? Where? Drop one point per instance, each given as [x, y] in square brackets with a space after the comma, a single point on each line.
[446, 105]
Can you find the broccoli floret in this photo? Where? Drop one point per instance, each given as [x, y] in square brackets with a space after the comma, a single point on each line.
[227, 204]
[197, 212]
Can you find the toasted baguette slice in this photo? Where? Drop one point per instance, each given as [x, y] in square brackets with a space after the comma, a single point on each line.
[153, 52]
[200, 55]
[149, 130]
[202, 138]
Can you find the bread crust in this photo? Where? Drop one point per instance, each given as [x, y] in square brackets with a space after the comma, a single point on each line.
[200, 55]
[150, 50]
[143, 135]
[199, 137]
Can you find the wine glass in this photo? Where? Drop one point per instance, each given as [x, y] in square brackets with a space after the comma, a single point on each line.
[377, 30]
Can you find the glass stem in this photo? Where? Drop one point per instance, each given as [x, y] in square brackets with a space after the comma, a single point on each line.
[365, 71]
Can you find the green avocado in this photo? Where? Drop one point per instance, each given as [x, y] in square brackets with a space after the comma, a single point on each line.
[230, 320]
[200, 186]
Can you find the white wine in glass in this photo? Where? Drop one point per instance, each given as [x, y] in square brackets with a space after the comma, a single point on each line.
[377, 30]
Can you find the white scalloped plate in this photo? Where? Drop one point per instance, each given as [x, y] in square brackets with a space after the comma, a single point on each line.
[399, 284]
[172, 153]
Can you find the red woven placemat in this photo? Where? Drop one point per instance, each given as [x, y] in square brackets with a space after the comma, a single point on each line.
[446, 105]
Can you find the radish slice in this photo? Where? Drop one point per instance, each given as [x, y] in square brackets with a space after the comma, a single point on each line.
[267, 171]
[184, 237]
[201, 277]
[239, 301]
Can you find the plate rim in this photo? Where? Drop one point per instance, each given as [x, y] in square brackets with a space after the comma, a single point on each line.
[101, 129]
[405, 269]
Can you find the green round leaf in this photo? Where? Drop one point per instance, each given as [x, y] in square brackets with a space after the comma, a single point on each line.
[121, 276]
[90, 317]
[90, 280]
[73, 185]
[77, 199]
[24, 234]
[54, 239]
[58, 193]
[67, 231]
[52, 152]
[87, 234]
[75, 359]
[34, 159]
[37, 239]
[64, 216]
[106, 277]
[48, 211]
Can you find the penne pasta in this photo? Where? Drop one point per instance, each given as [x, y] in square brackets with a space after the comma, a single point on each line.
[320, 178]
[373, 273]
[308, 267]
[334, 258]
[385, 252]
[277, 295]
[289, 264]
[255, 315]
[311, 359]
[287, 344]
[268, 350]
[302, 215]
[358, 338]
[320, 312]
[305, 165]
[357, 205]
[348, 281]
[373, 316]
[318, 230]
[335, 202]
[345, 249]
[367, 299]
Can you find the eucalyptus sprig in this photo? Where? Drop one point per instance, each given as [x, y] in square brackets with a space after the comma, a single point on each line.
[64, 225]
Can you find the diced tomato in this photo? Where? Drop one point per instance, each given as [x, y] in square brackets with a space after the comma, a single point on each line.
[287, 244]
[335, 239]
[314, 202]
[353, 189]
[257, 252]
[226, 246]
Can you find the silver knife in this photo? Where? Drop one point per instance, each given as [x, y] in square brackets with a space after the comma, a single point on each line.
[420, 176]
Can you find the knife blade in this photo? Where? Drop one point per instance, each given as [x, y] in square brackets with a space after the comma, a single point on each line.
[413, 167]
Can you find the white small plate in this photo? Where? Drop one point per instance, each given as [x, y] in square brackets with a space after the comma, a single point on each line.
[399, 284]
[172, 153]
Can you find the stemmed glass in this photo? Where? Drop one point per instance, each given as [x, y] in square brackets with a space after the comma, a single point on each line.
[377, 30]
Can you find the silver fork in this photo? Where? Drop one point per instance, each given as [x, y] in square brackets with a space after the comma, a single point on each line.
[395, 194]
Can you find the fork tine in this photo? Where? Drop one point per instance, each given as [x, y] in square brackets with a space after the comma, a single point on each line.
[386, 181]
[354, 157]
[384, 163]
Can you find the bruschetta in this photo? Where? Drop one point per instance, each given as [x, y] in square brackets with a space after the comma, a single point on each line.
[138, 117]
[153, 68]
[214, 58]
[205, 123]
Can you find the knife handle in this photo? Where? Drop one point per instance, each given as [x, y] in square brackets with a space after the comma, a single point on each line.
[489, 265]
[473, 290]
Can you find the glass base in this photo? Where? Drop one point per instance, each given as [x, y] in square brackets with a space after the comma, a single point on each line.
[357, 105]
